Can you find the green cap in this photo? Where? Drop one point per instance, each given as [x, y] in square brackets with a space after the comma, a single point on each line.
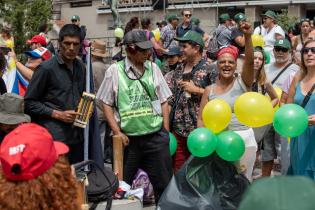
[283, 43]
[75, 17]
[192, 36]
[171, 17]
[195, 20]
[239, 17]
[224, 17]
[270, 14]
[280, 193]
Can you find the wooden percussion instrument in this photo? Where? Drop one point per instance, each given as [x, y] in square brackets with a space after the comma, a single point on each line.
[85, 110]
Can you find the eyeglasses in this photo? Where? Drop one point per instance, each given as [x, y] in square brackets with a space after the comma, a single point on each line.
[265, 18]
[278, 49]
[74, 21]
[306, 50]
[187, 15]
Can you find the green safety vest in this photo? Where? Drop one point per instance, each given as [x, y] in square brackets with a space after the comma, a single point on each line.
[134, 105]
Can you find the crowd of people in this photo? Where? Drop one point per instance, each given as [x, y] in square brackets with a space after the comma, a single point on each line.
[152, 86]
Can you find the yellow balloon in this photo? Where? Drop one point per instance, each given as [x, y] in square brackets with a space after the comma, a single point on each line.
[258, 40]
[216, 115]
[253, 109]
[157, 34]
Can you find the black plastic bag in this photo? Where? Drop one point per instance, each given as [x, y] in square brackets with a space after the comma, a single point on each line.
[205, 184]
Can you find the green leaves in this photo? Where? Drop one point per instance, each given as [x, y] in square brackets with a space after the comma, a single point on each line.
[24, 17]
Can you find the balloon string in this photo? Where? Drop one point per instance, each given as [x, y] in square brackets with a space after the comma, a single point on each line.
[289, 140]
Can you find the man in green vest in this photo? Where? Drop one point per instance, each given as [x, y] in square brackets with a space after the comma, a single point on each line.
[134, 95]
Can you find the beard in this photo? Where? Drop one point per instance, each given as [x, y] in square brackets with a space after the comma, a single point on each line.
[282, 59]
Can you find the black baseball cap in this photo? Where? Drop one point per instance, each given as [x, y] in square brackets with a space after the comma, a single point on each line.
[173, 51]
[137, 37]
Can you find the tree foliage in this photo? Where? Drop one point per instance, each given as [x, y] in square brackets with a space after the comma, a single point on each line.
[24, 17]
[285, 20]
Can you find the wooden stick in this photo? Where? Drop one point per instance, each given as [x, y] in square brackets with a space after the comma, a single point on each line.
[118, 156]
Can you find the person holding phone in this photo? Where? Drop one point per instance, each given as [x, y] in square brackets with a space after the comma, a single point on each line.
[187, 84]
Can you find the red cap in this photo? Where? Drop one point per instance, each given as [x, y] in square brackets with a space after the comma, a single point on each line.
[230, 49]
[28, 151]
[38, 39]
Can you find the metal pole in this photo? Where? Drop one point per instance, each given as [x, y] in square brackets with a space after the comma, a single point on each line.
[164, 9]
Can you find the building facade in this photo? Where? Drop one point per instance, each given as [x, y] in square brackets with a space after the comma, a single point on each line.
[96, 15]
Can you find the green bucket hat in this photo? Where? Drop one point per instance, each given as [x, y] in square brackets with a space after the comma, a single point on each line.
[283, 43]
[171, 17]
[192, 36]
[240, 17]
[280, 193]
[270, 14]
[195, 20]
[224, 17]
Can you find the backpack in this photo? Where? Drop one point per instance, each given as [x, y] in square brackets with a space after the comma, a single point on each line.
[102, 183]
[213, 46]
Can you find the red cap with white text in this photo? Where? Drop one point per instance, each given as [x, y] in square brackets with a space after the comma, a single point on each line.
[28, 151]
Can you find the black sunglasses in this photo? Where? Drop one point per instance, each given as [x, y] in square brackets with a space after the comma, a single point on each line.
[187, 15]
[73, 21]
[278, 49]
[306, 50]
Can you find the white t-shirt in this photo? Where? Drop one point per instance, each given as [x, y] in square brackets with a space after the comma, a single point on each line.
[270, 39]
[260, 30]
[272, 71]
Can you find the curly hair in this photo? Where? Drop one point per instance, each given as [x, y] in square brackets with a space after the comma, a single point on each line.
[54, 190]
[132, 24]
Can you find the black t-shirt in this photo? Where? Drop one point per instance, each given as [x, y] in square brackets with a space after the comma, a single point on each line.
[236, 33]
[3, 88]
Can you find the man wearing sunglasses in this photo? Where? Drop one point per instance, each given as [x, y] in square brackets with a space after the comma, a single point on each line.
[277, 72]
[272, 32]
[134, 95]
[187, 25]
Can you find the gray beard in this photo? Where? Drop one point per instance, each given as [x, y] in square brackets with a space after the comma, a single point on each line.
[282, 60]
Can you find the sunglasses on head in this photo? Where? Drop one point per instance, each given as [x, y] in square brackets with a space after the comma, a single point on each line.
[278, 49]
[305, 20]
[187, 15]
[306, 50]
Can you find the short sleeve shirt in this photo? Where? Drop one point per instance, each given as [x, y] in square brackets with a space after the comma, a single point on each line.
[186, 111]
[272, 71]
[223, 35]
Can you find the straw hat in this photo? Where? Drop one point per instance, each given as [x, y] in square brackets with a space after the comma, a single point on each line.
[99, 49]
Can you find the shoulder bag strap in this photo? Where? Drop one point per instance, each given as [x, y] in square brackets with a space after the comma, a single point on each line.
[308, 96]
[281, 72]
[142, 84]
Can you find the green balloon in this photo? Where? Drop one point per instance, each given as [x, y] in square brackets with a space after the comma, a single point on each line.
[290, 120]
[119, 33]
[201, 142]
[230, 146]
[173, 144]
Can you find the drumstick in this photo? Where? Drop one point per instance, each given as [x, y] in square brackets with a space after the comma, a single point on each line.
[118, 156]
